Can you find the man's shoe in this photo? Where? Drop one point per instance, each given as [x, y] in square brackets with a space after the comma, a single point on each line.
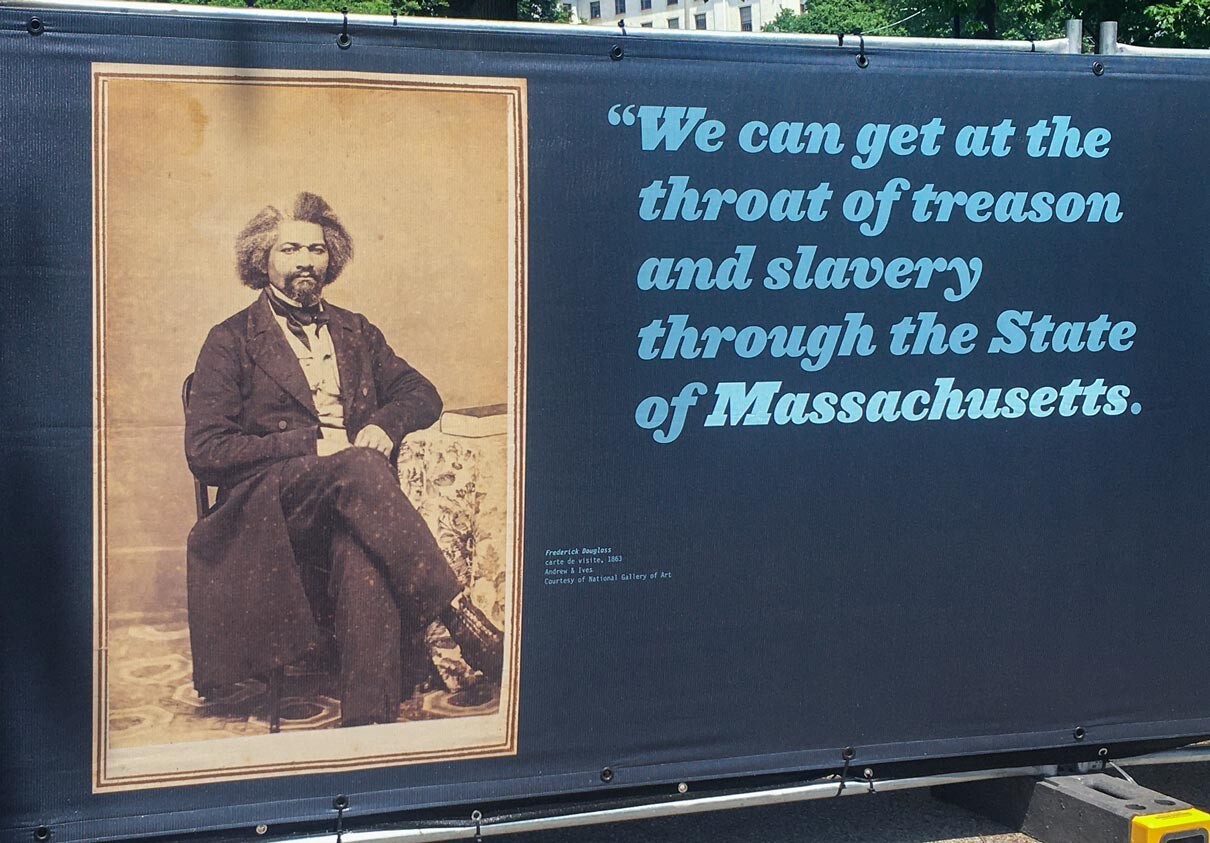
[477, 692]
[481, 643]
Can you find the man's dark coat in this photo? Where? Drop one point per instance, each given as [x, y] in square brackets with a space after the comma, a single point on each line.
[250, 409]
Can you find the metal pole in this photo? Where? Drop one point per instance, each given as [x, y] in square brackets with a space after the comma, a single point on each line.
[828, 789]
[821, 790]
[1107, 43]
[1196, 754]
[1075, 36]
[1170, 52]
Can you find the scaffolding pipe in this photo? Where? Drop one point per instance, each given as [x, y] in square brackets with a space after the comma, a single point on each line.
[1161, 52]
[1075, 36]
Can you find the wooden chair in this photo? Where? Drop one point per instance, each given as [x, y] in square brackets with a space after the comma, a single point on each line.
[201, 494]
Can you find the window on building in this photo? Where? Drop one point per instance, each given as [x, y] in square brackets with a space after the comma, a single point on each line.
[594, 9]
[673, 2]
[619, 7]
[674, 23]
[567, 9]
[745, 18]
[699, 21]
[644, 4]
[646, 25]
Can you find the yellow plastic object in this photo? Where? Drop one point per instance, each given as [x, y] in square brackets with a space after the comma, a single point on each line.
[1187, 826]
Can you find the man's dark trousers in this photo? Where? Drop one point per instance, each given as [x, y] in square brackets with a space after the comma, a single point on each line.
[385, 573]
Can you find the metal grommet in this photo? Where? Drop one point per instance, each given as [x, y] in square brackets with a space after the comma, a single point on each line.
[41, 832]
[262, 829]
[683, 787]
[340, 803]
[1103, 752]
[344, 40]
[1097, 68]
[607, 775]
[36, 27]
[616, 52]
[848, 753]
[1078, 734]
[863, 61]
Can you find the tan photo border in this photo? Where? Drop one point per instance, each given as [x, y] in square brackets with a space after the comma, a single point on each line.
[514, 92]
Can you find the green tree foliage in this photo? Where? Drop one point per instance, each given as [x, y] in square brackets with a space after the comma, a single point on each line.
[1016, 19]
[1181, 23]
[834, 16]
[527, 10]
[1023, 20]
[1176, 23]
[551, 11]
[421, 8]
[1184, 23]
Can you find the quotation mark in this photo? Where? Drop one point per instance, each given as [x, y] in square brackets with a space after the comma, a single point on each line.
[623, 116]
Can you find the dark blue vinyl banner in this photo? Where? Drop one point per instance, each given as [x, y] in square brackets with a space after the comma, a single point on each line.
[438, 415]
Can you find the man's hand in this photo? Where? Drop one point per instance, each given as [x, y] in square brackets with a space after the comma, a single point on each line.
[333, 445]
[373, 436]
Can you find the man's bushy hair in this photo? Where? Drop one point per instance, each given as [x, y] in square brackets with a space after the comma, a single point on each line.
[253, 244]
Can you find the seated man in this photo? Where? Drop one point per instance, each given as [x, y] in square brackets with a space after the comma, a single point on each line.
[296, 411]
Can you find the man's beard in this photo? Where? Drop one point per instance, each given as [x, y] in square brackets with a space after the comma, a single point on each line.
[304, 288]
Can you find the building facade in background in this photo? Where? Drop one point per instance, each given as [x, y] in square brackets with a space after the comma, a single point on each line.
[724, 15]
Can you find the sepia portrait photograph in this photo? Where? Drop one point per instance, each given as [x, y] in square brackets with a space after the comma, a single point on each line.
[309, 383]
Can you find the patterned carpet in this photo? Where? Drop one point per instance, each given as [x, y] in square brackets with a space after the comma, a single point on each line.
[152, 700]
